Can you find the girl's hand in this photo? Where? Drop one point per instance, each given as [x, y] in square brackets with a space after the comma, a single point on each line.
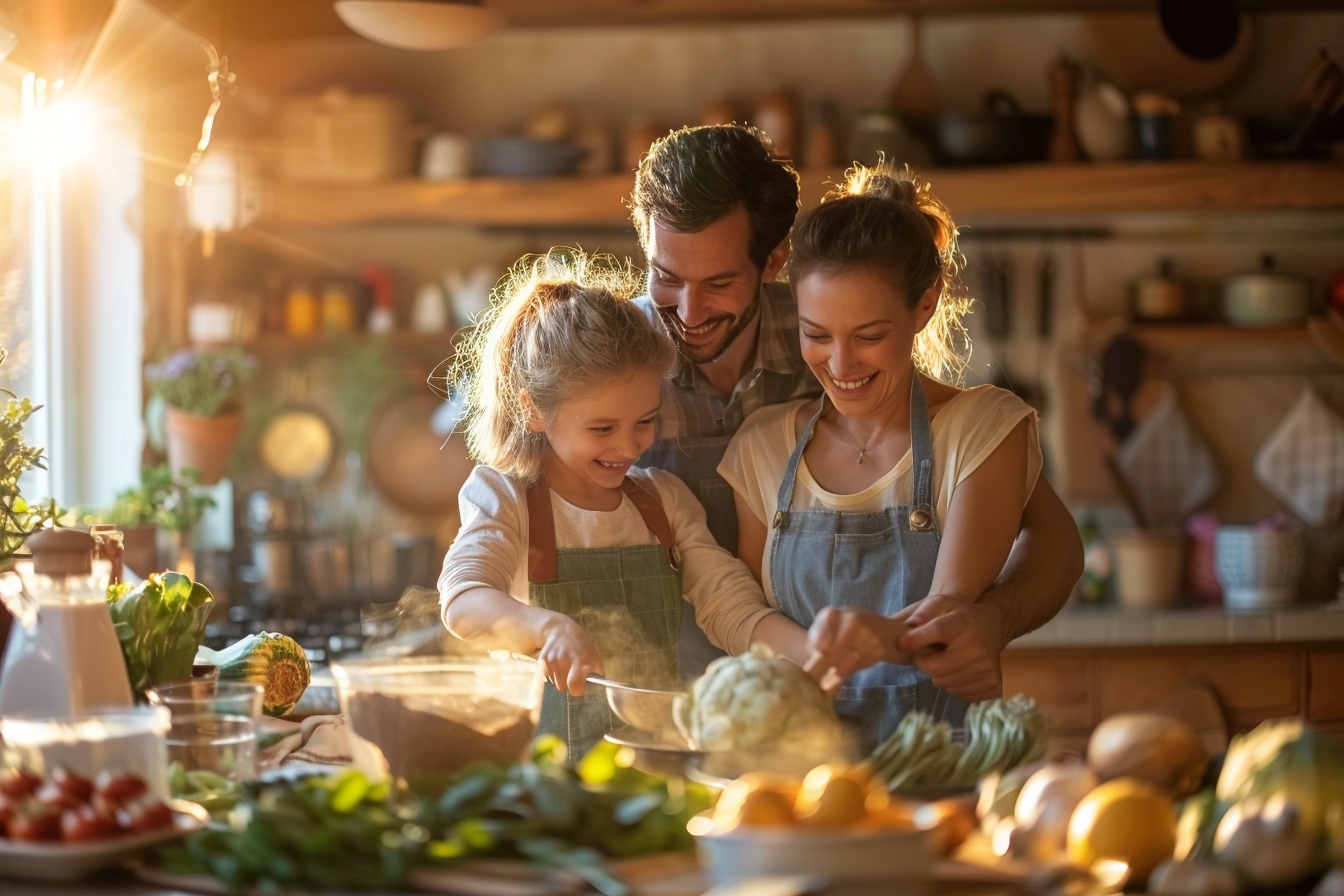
[958, 643]
[848, 640]
[567, 655]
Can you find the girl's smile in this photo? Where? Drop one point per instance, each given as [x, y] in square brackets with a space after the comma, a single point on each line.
[595, 437]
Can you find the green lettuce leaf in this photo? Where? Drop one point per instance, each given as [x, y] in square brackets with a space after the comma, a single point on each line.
[160, 624]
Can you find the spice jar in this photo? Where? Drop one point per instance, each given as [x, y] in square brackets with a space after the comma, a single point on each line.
[301, 311]
[777, 115]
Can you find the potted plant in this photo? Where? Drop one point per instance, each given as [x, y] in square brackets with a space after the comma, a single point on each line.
[18, 518]
[202, 391]
[160, 503]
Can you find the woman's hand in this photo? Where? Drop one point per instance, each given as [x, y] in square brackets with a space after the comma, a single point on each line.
[957, 643]
[567, 655]
[847, 640]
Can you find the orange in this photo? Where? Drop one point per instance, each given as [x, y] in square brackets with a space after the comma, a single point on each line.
[835, 796]
[1126, 820]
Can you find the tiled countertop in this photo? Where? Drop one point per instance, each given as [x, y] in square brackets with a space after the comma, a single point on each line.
[1113, 627]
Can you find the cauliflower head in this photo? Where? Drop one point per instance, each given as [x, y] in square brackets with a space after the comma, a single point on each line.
[758, 700]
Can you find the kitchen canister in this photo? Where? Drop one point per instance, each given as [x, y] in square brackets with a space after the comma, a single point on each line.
[1149, 567]
[447, 156]
[1259, 567]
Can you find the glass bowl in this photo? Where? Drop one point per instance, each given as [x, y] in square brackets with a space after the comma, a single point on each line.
[120, 739]
[431, 716]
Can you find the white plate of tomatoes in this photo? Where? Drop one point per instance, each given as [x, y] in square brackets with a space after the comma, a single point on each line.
[65, 826]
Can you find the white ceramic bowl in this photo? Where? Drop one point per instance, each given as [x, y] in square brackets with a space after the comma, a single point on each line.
[1258, 568]
[896, 859]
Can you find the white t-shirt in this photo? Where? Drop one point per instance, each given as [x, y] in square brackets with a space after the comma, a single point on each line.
[491, 548]
[965, 431]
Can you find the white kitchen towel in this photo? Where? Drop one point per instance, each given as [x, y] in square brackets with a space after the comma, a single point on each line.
[1302, 461]
[324, 741]
[1168, 466]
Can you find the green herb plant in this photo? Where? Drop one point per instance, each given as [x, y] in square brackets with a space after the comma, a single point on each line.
[349, 833]
[172, 504]
[18, 517]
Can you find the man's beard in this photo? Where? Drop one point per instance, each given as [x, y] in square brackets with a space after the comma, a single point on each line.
[704, 354]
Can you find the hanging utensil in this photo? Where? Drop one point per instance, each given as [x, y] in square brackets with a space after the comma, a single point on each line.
[1121, 374]
[1045, 298]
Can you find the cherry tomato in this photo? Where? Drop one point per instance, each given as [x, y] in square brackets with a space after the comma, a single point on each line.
[120, 788]
[79, 825]
[146, 814]
[51, 794]
[77, 786]
[17, 783]
[35, 821]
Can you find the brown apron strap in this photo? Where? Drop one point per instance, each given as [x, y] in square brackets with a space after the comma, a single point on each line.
[651, 511]
[541, 566]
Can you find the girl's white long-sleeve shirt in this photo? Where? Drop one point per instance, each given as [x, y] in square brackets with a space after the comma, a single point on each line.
[490, 550]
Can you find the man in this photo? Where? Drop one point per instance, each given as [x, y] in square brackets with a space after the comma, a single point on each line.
[713, 211]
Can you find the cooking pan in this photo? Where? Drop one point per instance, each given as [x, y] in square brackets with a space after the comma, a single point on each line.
[1000, 133]
[412, 465]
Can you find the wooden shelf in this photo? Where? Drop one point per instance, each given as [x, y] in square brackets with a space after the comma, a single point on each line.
[597, 202]
[277, 345]
[266, 20]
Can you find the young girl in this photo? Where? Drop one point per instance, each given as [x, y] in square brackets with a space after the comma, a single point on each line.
[566, 551]
[894, 497]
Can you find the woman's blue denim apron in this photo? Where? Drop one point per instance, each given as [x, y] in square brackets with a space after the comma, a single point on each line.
[628, 600]
[881, 561]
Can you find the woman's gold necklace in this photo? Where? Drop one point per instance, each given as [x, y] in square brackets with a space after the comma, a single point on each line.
[864, 449]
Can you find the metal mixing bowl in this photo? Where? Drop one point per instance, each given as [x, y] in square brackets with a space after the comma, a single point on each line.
[647, 709]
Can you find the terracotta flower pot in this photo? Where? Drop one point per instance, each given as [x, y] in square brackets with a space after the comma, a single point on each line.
[205, 443]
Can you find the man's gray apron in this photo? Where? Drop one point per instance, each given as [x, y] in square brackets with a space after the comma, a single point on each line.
[695, 461]
[628, 600]
[881, 561]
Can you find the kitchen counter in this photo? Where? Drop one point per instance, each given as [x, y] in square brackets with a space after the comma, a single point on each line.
[1116, 627]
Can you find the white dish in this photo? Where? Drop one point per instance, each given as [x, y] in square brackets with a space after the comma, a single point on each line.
[72, 861]
[898, 858]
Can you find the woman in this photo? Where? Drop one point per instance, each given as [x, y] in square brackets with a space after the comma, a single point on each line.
[894, 485]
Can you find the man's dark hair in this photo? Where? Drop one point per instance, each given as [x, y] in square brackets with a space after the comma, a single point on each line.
[695, 176]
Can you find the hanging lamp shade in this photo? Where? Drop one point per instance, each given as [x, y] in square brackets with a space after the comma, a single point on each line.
[419, 24]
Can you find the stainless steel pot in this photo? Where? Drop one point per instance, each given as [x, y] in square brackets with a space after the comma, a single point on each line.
[1266, 299]
[369, 568]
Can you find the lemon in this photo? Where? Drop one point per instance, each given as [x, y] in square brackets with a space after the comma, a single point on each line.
[834, 796]
[1127, 820]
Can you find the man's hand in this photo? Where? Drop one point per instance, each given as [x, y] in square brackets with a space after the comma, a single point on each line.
[957, 643]
[567, 655]
[849, 640]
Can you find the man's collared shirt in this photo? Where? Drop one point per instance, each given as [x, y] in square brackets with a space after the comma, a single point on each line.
[692, 407]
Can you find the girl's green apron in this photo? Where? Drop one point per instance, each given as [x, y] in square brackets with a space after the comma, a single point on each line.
[628, 600]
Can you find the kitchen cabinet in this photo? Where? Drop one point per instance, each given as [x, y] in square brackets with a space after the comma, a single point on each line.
[1040, 188]
[1079, 687]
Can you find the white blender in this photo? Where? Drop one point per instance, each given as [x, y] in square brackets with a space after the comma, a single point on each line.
[63, 657]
